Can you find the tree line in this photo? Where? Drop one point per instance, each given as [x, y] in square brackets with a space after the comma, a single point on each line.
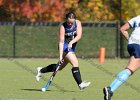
[54, 10]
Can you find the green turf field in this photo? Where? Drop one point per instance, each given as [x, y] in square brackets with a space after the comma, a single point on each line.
[17, 80]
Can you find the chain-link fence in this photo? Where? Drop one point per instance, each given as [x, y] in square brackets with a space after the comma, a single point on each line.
[41, 39]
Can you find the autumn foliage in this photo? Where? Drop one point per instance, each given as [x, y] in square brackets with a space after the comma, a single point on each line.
[54, 10]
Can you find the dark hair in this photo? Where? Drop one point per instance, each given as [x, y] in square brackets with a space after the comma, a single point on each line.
[70, 15]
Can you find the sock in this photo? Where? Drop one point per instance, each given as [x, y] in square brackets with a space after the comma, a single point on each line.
[77, 75]
[49, 68]
[120, 79]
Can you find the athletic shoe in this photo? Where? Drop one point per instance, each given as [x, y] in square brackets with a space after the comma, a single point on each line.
[84, 85]
[38, 75]
[107, 93]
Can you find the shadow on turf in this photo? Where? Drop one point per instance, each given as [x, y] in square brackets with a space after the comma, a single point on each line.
[33, 90]
[48, 90]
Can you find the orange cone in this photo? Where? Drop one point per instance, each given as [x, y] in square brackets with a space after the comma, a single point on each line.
[102, 55]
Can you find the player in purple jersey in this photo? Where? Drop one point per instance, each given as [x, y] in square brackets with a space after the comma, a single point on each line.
[70, 33]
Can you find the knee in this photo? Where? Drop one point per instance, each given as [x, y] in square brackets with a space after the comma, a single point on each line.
[129, 70]
[75, 64]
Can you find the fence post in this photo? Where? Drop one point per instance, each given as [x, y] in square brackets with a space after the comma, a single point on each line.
[117, 39]
[14, 40]
[121, 47]
[121, 38]
[122, 55]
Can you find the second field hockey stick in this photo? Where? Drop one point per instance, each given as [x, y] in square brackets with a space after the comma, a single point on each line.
[45, 87]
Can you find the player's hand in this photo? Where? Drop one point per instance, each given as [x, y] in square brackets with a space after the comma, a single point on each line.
[69, 46]
[61, 60]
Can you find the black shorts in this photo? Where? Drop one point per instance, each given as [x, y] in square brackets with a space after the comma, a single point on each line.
[134, 50]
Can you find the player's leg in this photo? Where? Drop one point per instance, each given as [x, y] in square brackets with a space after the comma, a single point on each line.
[49, 68]
[122, 77]
[64, 64]
[52, 67]
[133, 65]
[46, 69]
[76, 71]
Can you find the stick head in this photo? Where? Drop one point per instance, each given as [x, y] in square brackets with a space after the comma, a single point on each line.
[45, 87]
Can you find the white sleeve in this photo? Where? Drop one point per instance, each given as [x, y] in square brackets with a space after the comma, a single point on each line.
[132, 22]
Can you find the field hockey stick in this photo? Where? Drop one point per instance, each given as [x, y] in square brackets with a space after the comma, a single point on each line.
[45, 87]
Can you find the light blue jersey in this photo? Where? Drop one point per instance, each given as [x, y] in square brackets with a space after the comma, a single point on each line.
[134, 40]
[135, 36]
